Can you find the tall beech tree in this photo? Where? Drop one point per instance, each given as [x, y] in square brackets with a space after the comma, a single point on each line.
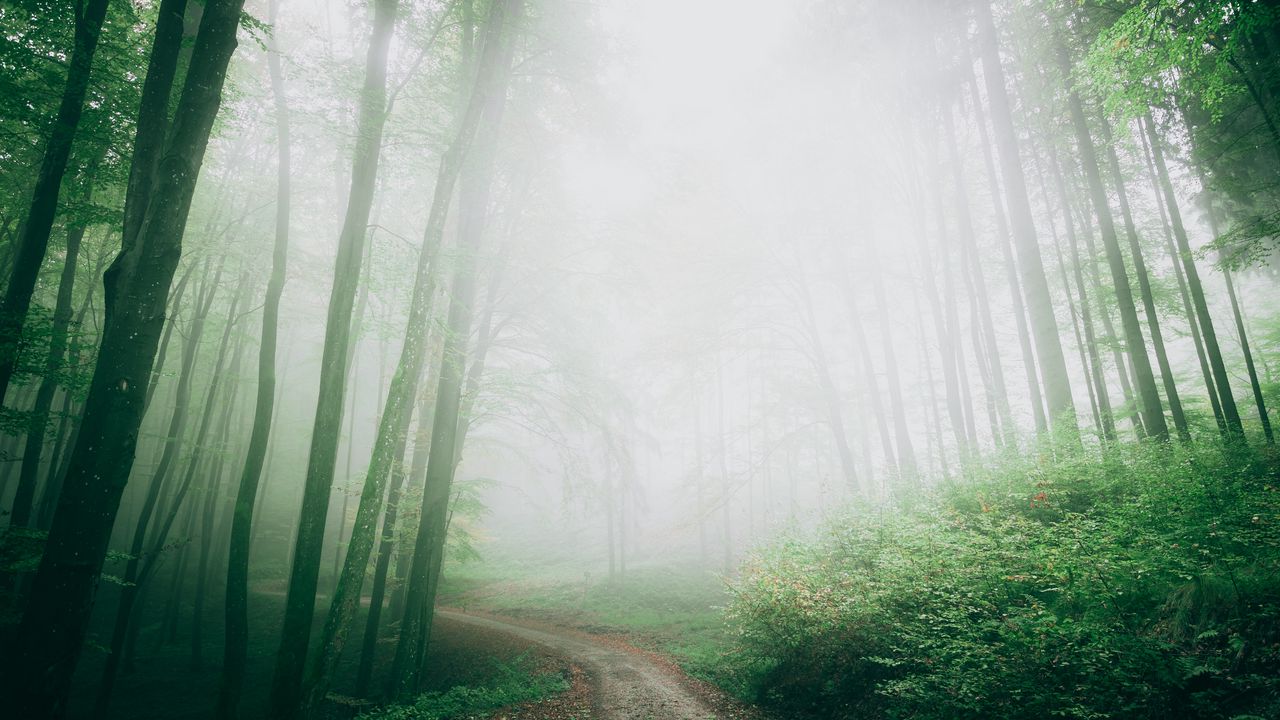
[496, 54]
[46, 646]
[1044, 325]
[236, 605]
[1135, 343]
[397, 413]
[295, 633]
[1230, 413]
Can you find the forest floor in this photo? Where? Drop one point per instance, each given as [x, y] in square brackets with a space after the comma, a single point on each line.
[670, 615]
[611, 679]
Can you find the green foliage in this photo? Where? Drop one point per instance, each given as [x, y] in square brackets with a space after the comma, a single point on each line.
[1141, 583]
[512, 683]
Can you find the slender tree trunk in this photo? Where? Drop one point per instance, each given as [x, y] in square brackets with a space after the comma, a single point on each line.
[504, 16]
[726, 491]
[906, 450]
[1144, 288]
[33, 242]
[941, 326]
[1187, 308]
[1230, 414]
[1044, 325]
[286, 692]
[236, 607]
[214, 483]
[163, 351]
[869, 371]
[38, 425]
[1004, 239]
[1095, 376]
[397, 414]
[369, 646]
[71, 421]
[1148, 396]
[46, 645]
[997, 392]
[830, 397]
[135, 575]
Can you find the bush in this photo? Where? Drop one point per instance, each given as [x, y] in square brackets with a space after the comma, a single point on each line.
[1139, 583]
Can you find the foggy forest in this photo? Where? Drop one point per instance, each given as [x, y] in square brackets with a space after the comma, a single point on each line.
[639, 359]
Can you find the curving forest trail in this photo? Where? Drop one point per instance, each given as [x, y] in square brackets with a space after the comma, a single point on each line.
[624, 683]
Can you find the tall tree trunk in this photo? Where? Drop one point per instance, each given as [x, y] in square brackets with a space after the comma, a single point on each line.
[286, 691]
[504, 17]
[386, 546]
[1148, 396]
[1258, 398]
[1090, 361]
[46, 645]
[353, 362]
[998, 392]
[869, 371]
[940, 316]
[70, 421]
[33, 242]
[38, 425]
[236, 607]
[135, 577]
[1144, 287]
[393, 428]
[1044, 325]
[902, 435]
[1187, 308]
[1230, 414]
[1004, 239]
[827, 386]
[208, 540]
[726, 491]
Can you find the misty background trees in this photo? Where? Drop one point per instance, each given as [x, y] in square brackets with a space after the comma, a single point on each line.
[307, 304]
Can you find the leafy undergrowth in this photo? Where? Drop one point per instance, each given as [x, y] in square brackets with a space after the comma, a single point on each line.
[511, 683]
[1142, 583]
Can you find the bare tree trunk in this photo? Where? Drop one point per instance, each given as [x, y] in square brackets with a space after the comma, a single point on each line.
[39, 422]
[1144, 288]
[394, 426]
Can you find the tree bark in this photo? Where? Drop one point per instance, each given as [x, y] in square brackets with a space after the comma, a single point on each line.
[1187, 308]
[38, 425]
[1144, 288]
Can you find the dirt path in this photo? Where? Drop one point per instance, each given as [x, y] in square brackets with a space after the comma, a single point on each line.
[626, 684]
